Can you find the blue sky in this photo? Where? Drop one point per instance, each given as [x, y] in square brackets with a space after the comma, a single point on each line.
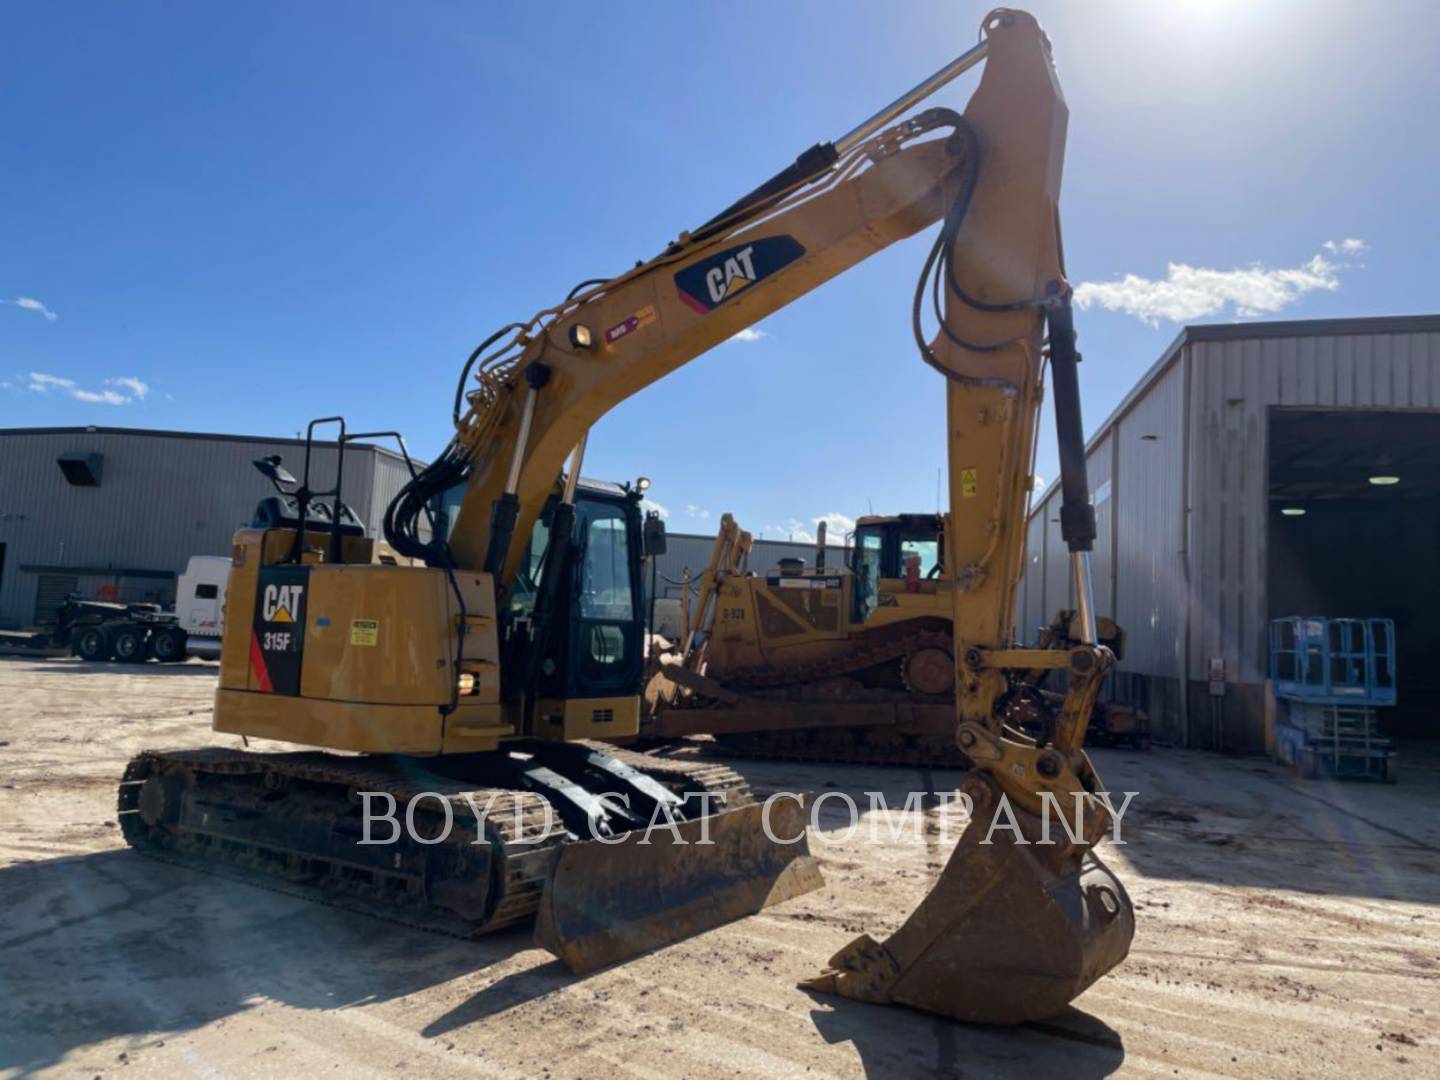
[236, 217]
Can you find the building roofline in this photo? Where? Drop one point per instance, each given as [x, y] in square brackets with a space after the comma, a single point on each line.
[1243, 331]
[809, 545]
[210, 436]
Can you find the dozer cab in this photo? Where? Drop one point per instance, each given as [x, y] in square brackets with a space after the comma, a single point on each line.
[425, 681]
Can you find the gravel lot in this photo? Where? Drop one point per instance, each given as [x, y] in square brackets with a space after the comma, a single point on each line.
[1284, 929]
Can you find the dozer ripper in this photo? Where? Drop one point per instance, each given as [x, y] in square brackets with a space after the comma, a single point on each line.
[477, 651]
[850, 660]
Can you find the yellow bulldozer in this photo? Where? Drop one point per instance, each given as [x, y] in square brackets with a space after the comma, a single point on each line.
[449, 681]
[849, 659]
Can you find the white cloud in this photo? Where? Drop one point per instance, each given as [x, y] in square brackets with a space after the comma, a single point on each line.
[649, 504]
[43, 383]
[130, 389]
[139, 390]
[1348, 246]
[1192, 292]
[699, 513]
[29, 303]
[749, 334]
[836, 526]
[794, 529]
[109, 397]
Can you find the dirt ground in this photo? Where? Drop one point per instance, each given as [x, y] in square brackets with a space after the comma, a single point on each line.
[1284, 929]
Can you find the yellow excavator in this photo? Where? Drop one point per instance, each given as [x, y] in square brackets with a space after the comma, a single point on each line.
[451, 679]
[850, 659]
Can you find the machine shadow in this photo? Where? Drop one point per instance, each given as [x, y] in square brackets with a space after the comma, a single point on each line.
[1248, 823]
[75, 666]
[112, 944]
[1197, 816]
[895, 1043]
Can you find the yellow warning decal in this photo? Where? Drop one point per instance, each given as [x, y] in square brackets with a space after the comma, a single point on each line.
[969, 484]
[364, 631]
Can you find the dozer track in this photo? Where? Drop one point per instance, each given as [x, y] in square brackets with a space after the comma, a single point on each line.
[294, 822]
[851, 745]
[907, 729]
[867, 657]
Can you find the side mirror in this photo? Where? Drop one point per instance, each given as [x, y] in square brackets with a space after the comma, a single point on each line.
[277, 474]
[654, 534]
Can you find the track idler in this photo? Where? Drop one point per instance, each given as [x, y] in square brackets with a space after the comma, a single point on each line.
[1010, 933]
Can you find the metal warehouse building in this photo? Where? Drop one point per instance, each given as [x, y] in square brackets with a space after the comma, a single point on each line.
[1234, 485]
[117, 512]
[689, 551]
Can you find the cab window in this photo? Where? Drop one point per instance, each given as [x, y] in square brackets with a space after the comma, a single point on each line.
[527, 579]
[869, 564]
[605, 585]
[609, 638]
[922, 546]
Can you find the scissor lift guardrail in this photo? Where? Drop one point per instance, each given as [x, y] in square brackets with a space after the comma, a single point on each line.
[1329, 677]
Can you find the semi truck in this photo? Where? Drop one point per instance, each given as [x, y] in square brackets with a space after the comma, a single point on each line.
[99, 630]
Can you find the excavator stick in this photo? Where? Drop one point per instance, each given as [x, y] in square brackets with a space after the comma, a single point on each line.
[1016, 926]
[608, 902]
[1009, 934]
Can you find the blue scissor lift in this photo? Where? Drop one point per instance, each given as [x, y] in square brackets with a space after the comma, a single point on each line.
[1330, 676]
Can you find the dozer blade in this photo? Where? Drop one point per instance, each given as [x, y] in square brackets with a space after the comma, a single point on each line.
[1010, 933]
[608, 902]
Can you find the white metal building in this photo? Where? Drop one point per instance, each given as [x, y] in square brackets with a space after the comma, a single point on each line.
[689, 551]
[116, 512]
[1192, 477]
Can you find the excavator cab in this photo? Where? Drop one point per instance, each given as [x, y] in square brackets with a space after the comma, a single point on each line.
[594, 646]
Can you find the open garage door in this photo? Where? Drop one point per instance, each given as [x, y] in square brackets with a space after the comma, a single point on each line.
[1354, 531]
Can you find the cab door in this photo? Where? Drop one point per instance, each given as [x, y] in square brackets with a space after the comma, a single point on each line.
[605, 645]
[867, 568]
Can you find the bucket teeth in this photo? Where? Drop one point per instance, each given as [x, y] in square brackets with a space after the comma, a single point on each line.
[862, 971]
[1009, 934]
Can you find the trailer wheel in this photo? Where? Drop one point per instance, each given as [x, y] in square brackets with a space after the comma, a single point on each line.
[129, 644]
[93, 644]
[168, 645]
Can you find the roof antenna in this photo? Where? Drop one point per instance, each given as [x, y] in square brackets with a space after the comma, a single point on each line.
[870, 503]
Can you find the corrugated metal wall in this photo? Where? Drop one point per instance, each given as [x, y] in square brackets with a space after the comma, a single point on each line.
[388, 476]
[162, 498]
[1030, 615]
[1196, 514]
[1057, 563]
[1102, 495]
[1233, 385]
[1147, 513]
[683, 551]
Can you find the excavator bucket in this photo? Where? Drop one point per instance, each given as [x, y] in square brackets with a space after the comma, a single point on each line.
[1010, 933]
[611, 901]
